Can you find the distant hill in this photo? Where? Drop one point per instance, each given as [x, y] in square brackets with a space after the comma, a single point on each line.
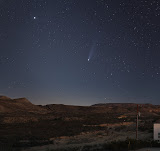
[121, 104]
[8, 105]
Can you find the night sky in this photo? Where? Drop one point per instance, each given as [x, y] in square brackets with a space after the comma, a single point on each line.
[80, 52]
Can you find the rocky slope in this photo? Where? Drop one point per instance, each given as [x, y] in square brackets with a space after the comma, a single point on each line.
[8, 105]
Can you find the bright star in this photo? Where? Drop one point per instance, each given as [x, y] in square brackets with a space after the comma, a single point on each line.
[34, 17]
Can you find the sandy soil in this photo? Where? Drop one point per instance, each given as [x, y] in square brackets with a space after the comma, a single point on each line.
[149, 149]
[94, 138]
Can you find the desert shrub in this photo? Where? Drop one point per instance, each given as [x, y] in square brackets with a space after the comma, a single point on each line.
[129, 144]
[6, 147]
[120, 128]
[119, 146]
[155, 143]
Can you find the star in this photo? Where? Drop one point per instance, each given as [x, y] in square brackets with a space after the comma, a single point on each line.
[57, 49]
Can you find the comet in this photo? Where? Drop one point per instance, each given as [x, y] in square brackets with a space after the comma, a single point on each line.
[91, 53]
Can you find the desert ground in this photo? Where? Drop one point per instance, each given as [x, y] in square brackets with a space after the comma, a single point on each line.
[57, 126]
[149, 149]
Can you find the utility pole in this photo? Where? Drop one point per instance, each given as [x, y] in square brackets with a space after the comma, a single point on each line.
[137, 124]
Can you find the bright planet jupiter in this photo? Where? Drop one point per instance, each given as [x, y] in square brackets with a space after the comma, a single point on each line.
[80, 52]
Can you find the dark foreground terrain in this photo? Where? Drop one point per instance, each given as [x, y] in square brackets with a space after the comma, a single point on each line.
[23, 124]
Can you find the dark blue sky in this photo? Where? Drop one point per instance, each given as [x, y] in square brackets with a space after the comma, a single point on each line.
[80, 51]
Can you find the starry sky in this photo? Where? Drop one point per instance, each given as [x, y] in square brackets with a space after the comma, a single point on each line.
[80, 52]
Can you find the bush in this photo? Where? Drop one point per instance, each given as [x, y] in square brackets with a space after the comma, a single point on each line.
[129, 144]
